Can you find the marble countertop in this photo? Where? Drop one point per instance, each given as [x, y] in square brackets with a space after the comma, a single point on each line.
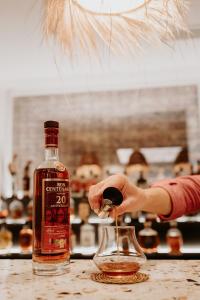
[169, 280]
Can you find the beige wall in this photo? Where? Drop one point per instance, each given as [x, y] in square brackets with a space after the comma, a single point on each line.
[106, 121]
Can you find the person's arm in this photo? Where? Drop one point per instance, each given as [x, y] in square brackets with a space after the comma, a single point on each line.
[184, 193]
[169, 198]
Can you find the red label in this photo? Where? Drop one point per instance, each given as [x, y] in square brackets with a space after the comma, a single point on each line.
[55, 215]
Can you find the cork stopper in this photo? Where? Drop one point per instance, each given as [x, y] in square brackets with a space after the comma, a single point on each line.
[51, 129]
[51, 124]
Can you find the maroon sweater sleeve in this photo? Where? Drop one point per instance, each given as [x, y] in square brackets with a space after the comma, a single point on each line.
[184, 193]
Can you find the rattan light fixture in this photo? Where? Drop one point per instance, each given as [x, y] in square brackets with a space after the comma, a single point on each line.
[122, 25]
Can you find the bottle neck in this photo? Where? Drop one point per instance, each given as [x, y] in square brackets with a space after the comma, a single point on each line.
[51, 153]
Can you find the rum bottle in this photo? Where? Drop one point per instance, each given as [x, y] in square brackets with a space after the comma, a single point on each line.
[51, 215]
[174, 239]
[148, 238]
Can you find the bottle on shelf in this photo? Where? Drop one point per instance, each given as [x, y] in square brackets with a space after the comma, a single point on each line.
[5, 237]
[29, 211]
[148, 238]
[51, 221]
[15, 205]
[3, 209]
[84, 209]
[174, 239]
[72, 240]
[26, 187]
[16, 208]
[87, 235]
[25, 239]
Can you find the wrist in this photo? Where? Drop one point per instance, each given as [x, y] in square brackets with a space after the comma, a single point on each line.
[157, 200]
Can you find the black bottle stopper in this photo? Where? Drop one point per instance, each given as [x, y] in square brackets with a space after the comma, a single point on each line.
[111, 197]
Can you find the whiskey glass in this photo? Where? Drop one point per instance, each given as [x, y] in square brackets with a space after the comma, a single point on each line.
[119, 253]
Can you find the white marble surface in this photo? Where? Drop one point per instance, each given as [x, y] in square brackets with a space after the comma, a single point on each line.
[169, 280]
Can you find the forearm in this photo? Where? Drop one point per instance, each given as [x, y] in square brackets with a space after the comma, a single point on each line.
[157, 201]
[184, 193]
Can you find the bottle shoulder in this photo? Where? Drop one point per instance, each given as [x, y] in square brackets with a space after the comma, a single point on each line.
[51, 169]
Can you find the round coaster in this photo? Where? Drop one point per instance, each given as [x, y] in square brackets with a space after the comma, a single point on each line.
[135, 278]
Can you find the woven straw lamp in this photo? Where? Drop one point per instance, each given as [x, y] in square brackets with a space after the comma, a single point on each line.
[137, 163]
[89, 165]
[182, 163]
[122, 25]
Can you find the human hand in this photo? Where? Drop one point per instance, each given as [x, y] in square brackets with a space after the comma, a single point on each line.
[133, 197]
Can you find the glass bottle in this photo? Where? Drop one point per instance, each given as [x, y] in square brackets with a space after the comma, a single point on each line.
[148, 238]
[16, 208]
[26, 187]
[119, 253]
[5, 238]
[72, 240]
[84, 209]
[3, 209]
[25, 239]
[87, 235]
[29, 211]
[51, 212]
[174, 239]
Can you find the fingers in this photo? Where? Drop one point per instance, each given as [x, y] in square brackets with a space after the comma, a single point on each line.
[96, 191]
[95, 196]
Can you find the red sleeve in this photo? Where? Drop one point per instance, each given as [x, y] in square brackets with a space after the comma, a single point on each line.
[184, 193]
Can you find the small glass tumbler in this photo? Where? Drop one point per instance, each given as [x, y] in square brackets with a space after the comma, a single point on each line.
[119, 253]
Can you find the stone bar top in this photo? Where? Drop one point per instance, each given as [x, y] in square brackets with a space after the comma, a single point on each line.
[169, 280]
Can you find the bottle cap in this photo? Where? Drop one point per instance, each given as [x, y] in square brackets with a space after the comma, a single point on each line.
[51, 124]
[114, 195]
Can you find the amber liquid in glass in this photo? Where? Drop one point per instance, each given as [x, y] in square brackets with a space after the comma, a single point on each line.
[122, 268]
[119, 268]
[38, 256]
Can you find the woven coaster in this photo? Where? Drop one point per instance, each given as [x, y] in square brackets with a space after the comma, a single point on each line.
[135, 278]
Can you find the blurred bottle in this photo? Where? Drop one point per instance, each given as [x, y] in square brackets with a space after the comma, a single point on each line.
[148, 238]
[5, 238]
[72, 240]
[84, 209]
[25, 239]
[87, 235]
[3, 209]
[26, 187]
[16, 208]
[29, 210]
[174, 239]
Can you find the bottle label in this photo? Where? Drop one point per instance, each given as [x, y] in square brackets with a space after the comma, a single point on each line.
[55, 215]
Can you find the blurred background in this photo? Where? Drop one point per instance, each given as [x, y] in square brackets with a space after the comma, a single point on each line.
[136, 115]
